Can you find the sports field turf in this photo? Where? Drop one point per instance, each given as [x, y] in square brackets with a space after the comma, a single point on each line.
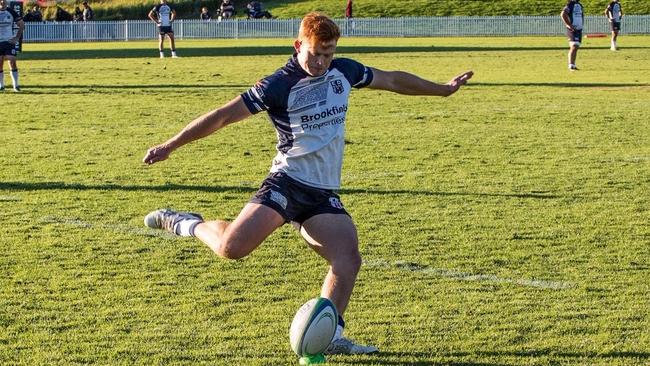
[505, 225]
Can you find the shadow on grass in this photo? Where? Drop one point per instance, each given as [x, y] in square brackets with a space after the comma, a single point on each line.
[397, 358]
[152, 52]
[22, 186]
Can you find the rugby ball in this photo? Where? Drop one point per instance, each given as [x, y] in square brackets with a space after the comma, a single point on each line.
[313, 327]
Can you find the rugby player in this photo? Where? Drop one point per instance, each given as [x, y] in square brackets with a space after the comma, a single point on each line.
[572, 15]
[307, 101]
[8, 40]
[163, 15]
[614, 14]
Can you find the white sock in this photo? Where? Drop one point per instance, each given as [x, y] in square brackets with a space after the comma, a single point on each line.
[2, 79]
[162, 54]
[14, 78]
[173, 53]
[338, 334]
[186, 227]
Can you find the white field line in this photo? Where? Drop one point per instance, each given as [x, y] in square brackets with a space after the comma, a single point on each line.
[10, 198]
[465, 276]
[380, 263]
[113, 227]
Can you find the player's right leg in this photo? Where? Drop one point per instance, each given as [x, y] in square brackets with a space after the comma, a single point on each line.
[232, 240]
[239, 238]
[14, 72]
[161, 42]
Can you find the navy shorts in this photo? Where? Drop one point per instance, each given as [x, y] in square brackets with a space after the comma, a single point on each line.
[7, 49]
[296, 201]
[616, 26]
[165, 29]
[574, 35]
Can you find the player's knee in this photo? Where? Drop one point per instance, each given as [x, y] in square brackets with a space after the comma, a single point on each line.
[349, 262]
[232, 248]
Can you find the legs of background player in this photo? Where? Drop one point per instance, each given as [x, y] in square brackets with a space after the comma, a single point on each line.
[161, 44]
[614, 37]
[573, 52]
[14, 72]
[238, 239]
[172, 44]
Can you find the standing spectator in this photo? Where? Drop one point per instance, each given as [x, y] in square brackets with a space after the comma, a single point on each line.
[572, 16]
[8, 40]
[163, 15]
[226, 10]
[614, 14]
[205, 14]
[348, 9]
[88, 14]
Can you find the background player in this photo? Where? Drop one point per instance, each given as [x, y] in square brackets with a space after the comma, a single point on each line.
[163, 15]
[614, 14]
[307, 101]
[572, 16]
[8, 40]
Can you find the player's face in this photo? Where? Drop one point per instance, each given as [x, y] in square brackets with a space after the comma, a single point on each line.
[315, 59]
[3, 4]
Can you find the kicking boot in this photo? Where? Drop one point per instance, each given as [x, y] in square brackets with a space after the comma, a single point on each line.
[344, 346]
[168, 220]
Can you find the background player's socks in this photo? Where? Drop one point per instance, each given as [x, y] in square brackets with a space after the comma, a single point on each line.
[2, 80]
[14, 79]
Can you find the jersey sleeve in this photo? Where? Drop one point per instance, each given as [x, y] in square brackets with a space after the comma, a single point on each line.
[265, 95]
[357, 74]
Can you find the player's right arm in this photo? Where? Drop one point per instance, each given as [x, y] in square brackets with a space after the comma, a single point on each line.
[565, 18]
[152, 15]
[231, 112]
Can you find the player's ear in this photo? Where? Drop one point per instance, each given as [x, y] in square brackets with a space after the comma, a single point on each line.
[297, 44]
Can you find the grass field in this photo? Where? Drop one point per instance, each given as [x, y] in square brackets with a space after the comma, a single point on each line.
[505, 225]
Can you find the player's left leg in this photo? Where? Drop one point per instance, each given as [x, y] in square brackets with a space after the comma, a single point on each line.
[172, 44]
[334, 237]
[14, 72]
[2, 74]
[161, 44]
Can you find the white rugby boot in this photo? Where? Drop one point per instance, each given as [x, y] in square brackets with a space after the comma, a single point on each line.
[344, 346]
[167, 219]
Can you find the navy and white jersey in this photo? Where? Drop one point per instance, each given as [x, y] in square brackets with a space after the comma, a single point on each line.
[7, 19]
[163, 14]
[575, 13]
[308, 114]
[614, 9]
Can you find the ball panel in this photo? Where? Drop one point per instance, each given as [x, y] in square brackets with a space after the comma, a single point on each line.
[313, 327]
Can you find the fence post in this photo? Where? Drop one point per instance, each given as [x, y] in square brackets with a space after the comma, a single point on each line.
[126, 30]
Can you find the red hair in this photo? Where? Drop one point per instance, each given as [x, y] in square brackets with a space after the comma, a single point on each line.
[318, 28]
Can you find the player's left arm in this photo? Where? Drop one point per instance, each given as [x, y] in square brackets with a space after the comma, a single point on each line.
[19, 32]
[406, 83]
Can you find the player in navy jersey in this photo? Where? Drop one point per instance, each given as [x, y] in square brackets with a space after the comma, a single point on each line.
[307, 101]
[572, 16]
[163, 15]
[614, 14]
[8, 40]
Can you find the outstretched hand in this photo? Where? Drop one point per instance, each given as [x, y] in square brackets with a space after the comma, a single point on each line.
[156, 154]
[460, 80]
